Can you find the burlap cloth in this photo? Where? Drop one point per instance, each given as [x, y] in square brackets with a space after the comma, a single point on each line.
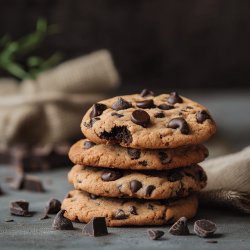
[48, 110]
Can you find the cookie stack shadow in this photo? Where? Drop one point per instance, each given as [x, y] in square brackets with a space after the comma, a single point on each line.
[139, 162]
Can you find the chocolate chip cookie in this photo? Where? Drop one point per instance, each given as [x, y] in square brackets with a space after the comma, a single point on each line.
[81, 206]
[85, 152]
[166, 184]
[148, 121]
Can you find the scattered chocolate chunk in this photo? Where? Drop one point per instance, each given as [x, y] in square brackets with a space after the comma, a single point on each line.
[173, 176]
[20, 208]
[134, 153]
[212, 241]
[45, 217]
[32, 183]
[135, 186]
[132, 210]
[88, 144]
[53, 206]
[204, 228]
[159, 115]
[93, 196]
[140, 117]
[150, 206]
[149, 190]
[146, 92]
[143, 163]
[165, 106]
[201, 116]
[145, 104]
[174, 98]
[62, 223]
[116, 114]
[120, 215]
[179, 123]
[111, 175]
[9, 220]
[164, 157]
[155, 234]
[97, 109]
[96, 227]
[121, 104]
[180, 227]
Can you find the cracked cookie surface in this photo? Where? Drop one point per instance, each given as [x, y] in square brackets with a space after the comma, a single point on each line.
[81, 206]
[85, 152]
[147, 121]
[144, 184]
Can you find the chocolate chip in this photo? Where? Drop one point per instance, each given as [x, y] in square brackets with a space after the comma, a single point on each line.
[20, 208]
[135, 186]
[53, 206]
[116, 114]
[173, 176]
[96, 227]
[174, 98]
[155, 234]
[179, 123]
[32, 183]
[150, 206]
[165, 106]
[180, 227]
[121, 104]
[88, 144]
[9, 220]
[159, 115]
[145, 104]
[149, 190]
[97, 109]
[146, 92]
[62, 223]
[212, 241]
[120, 215]
[93, 196]
[204, 228]
[143, 163]
[134, 153]
[132, 210]
[111, 175]
[140, 117]
[201, 116]
[164, 157]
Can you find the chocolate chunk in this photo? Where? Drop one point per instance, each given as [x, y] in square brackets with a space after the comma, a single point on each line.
[96, 227]
[132, 210]
[174, 98]
[146, 92]
[155, 234]
[9, 220]
[145, 104]
[93, 196]
[173, 176]
[164, 157]
[62, 223]
[135, 186]
[116, 114]
[179, 123]
[20, 208]
[88, 144]
[53, 206]
[97, 109]
[180, 227]
[212, 241]
[204, 228]
[45, 217]
[201, 116]
[134, 153]
[140, 117]
[149, 190]
[150, 206]
[117, 135]
[32, 183]
[111, 175]
[143, 163]
[165, 106]
[120, 215]
[159, 115]
[121, 104]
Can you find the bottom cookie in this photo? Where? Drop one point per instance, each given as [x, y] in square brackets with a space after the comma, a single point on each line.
[81, 206]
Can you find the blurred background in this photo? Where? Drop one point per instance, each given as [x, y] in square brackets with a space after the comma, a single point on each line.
[199, 48]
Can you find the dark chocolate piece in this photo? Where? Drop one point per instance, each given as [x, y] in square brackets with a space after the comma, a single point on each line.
[96, 227]
[159, 115]
[20, 208]
[145, 104]
[132, 210]
[202, 116]
[120, 215]
[116, 114]
[140, 117]
[180, 227]
[134, 153]
[97, 109]
[111, 175]
[174, 98]
[88, 144]
[150, 206]
[62, 223]
[164, 157]
[204, 228]
[53, 206]
[155, 234]
[121, 104]
[165, 106]
[146, 92]
[93, 196]
[9, 220]
[179, 123]
[149, 190]
[135, 186]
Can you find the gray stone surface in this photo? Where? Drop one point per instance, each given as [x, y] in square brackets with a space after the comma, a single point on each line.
[33, 233]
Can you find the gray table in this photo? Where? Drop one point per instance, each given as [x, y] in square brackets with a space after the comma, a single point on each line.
[33, 233]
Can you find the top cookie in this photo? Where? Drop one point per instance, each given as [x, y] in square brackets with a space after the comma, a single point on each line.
[147, 121]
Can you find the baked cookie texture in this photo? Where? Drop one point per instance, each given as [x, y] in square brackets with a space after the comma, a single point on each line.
[82, 207]
[85, 152]
[144, 184]
[147, 121]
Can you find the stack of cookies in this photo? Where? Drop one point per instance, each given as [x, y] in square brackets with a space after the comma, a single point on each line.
[138, 165]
